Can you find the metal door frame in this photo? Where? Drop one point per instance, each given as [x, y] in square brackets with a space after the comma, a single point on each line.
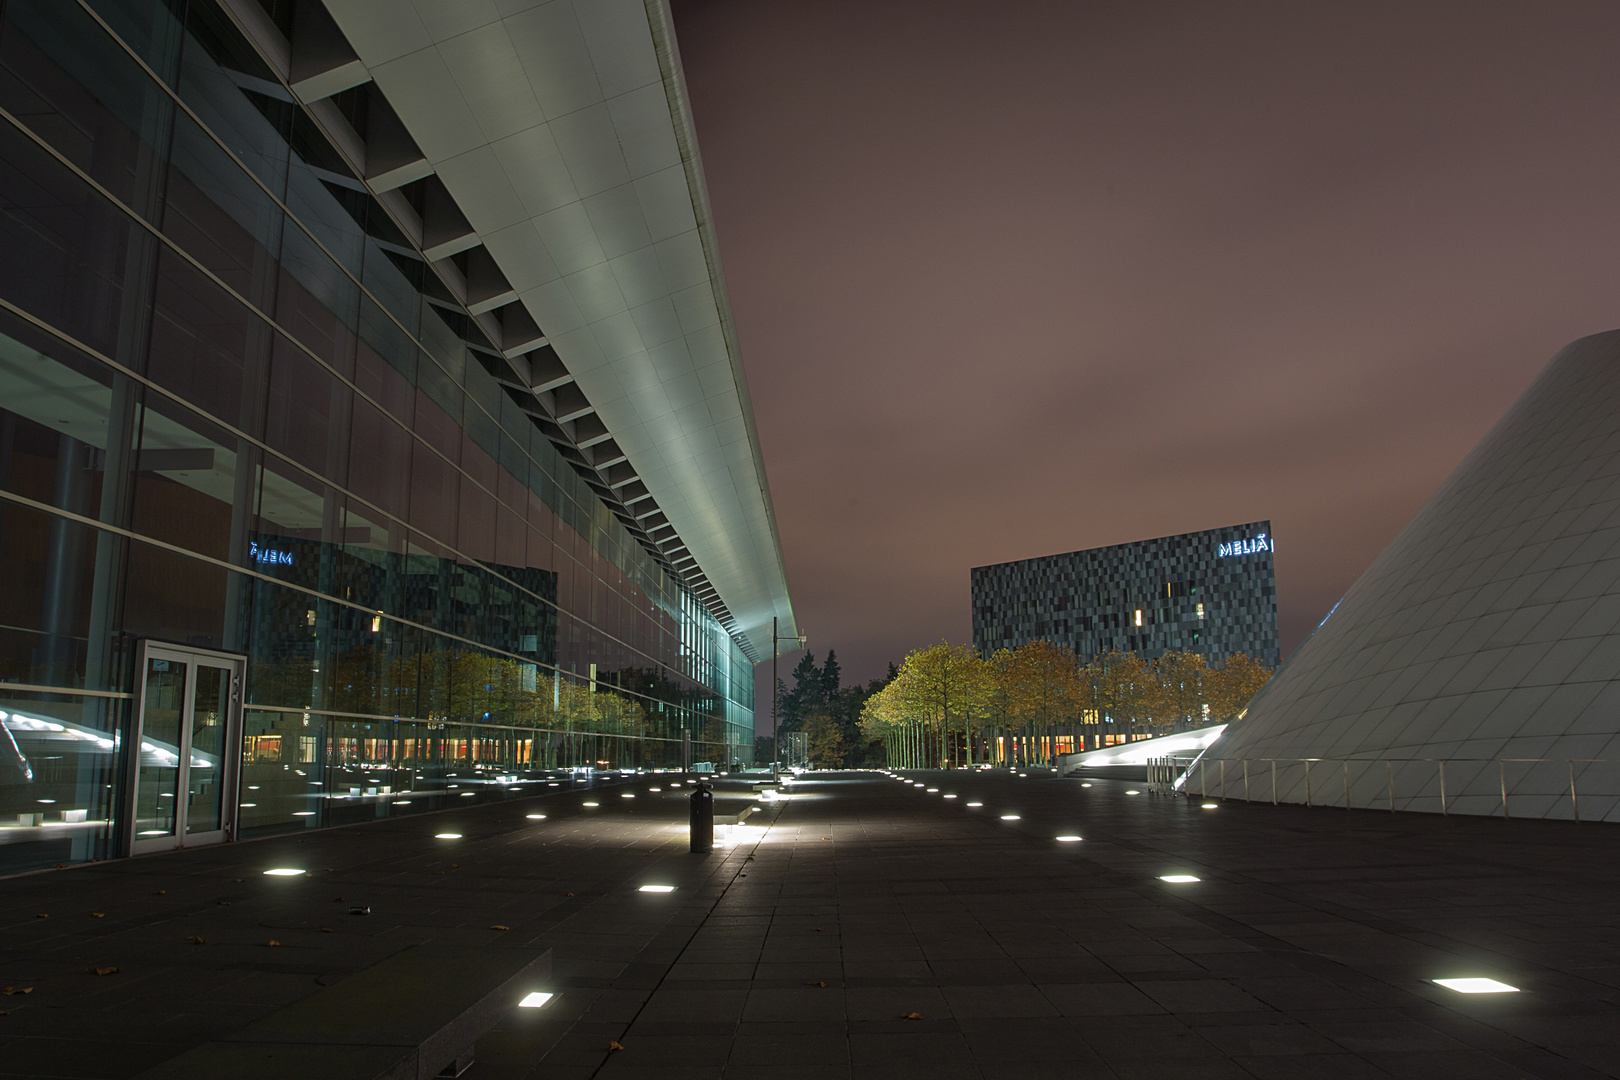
[230, 755]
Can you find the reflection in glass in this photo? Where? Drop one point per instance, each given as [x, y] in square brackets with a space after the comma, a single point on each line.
[205, 784]
[158, 778]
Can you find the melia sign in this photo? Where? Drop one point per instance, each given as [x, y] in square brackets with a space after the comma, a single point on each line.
[1247, 547]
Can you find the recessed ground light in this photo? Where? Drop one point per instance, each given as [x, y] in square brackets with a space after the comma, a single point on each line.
[626, 795]
[1477, 986]
[468, 794]
[1009, 817]
[1210, 806]
[948, 796]
[536, 817]
[247, 805]
[933, 791]
[1022, 775]
[1085, 785]
[1069, 839]
[590, 804]
[655, 789]
[1133, 791]
[535, 1000]
[303, 813]
[283, 871]
[657, 888]
[1178, 879]
[447, 836]
[975, 804]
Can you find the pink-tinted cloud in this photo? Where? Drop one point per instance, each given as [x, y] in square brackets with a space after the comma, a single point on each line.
[1013, 279]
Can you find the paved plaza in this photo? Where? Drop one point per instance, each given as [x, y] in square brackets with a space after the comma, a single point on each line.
[868, 928]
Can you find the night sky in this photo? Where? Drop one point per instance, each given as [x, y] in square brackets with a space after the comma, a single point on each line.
[1014, 279]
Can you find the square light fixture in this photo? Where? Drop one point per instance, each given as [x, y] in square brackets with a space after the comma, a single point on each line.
[1070, 839]
[535, 1000]
[1178, 879]
[1477, 986]
[975, 804]
[948, 796]
[536, 817]
[590, 804]
[1210, 806]
[657, 888]
[1009, 817]
[447, 836]
[283, 871]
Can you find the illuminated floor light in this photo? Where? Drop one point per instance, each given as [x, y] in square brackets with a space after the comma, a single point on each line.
[1009, 817]
[1133, 791]
[536, 817]
[655, 789]
[626, 795]
[283, 871]
[1178, 879]
[303, 813]
[468, 794]
[933, 791]
[1069, 839]
[975, 804]
[949, 796]
[590, 804]
[1022, 775]
[535, 1000]
[1085, 785]
[657, 888]
[1209, 806]
[447, 836]
[1477, 986]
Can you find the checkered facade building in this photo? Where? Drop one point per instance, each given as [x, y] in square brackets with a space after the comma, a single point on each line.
[1212, 592]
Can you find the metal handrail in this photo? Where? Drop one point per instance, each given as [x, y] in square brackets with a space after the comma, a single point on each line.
[1173, 775]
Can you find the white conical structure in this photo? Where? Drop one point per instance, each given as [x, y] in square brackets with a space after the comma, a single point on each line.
[1483, 644]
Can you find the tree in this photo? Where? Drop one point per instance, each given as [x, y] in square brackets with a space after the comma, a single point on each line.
[831, 677]
[826, 738]
[807, 693]
[1233, 684]
[1037, 686]
[1178, 689]
[947, 688]
[1114, 686]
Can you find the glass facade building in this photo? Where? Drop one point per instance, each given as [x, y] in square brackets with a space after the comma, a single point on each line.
[1212, 592]
[281, 544]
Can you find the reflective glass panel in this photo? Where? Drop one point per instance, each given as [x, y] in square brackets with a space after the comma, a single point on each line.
[157, 783]
[205, 783]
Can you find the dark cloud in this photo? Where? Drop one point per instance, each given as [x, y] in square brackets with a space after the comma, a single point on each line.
[1013, 279]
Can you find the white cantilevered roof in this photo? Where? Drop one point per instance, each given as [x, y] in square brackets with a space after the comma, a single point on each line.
[562, 133]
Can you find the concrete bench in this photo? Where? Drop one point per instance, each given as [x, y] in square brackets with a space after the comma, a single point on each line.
[414, 1016]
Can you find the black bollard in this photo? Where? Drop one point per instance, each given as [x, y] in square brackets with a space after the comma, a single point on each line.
[703, 819]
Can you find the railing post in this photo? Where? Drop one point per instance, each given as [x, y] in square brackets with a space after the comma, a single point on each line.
[1273, 781]
[1245, 779]
[1574, 807]
[1307, 781]
[1442, 789]
[1501, 772]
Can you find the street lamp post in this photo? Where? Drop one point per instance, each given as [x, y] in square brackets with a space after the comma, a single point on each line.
[776, 734]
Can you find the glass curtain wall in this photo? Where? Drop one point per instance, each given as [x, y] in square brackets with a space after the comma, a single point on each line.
[237, 411]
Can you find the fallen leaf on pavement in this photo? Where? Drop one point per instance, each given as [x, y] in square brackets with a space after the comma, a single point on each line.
[912, 1016]
[612, 1046]
[8, 991]
[98, 914]
[41, 915]
[196, 941]
[815, 984]
[498, 926]
[273, 943]
[327, 930]
[101, 971]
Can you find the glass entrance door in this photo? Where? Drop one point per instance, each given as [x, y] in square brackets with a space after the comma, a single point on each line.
[188, 745]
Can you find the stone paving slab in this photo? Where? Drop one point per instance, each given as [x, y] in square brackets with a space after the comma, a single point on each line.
[952, 943]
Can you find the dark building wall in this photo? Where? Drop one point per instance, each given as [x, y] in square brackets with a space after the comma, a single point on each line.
[1211, 592]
